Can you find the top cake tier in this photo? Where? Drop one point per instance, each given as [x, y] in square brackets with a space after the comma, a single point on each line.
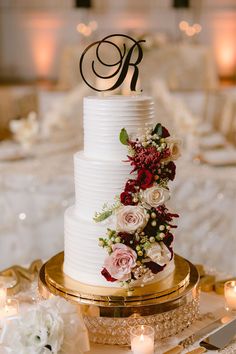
[104, 117]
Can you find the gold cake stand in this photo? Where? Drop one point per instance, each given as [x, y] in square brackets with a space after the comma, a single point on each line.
[169, 305]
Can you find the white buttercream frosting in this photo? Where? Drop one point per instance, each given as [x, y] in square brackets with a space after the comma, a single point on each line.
[100, 175]
[97, 182]
[104, 117]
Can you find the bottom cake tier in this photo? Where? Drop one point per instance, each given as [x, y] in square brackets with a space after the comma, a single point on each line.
[84, 259]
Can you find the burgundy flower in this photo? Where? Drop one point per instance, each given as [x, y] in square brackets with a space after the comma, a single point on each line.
[168, 239]
[126, 198]
[127, 238]
[165, 132]
[145, 178]
[130, 186]
[169, 171]
[107, 275]
[164, 216]
[172, 252]
[146, 158]
[154, 267]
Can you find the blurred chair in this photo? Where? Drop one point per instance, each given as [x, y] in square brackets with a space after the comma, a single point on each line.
[15, 102]
[69, 75]
[226, 119]
[182, 66]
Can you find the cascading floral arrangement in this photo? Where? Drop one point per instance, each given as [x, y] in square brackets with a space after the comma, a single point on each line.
[140, 244]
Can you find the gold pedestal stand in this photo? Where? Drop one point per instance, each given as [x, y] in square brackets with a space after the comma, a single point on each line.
[169, 305]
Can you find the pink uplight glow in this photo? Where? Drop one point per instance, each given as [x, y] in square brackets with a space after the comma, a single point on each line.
[226, 56]
[43, 50]
[224, 32]
[43, 38]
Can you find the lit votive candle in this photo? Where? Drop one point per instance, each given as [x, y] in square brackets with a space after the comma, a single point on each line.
[230, 295]
[142, 339]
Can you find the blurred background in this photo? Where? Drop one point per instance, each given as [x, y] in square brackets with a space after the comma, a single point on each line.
[189, 67]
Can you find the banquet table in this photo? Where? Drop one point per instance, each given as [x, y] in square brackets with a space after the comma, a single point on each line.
[34, 194]
[205, 198]
[211, 308]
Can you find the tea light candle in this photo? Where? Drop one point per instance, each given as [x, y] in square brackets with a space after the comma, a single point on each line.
[230, 295]
[142, 339]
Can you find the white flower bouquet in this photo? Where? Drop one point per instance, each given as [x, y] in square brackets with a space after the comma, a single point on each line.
[51, 327]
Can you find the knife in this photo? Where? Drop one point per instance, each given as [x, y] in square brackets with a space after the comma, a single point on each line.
[221, 337]
[222, 321]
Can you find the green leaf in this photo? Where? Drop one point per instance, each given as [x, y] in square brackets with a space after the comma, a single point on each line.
[124, 137]
[158, 129]
[102, 216]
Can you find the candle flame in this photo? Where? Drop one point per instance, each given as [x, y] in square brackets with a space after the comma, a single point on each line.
[142, 338]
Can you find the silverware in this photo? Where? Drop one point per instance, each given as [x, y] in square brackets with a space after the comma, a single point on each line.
[221, 337]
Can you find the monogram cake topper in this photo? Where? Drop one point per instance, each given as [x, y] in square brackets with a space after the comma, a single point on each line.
[128, 54]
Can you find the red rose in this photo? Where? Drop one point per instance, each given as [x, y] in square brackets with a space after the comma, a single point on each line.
[107, 275]
[130, 186]
[126, 198]
[145, 178]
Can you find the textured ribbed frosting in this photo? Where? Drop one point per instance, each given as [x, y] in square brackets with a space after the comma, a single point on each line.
[97, 182]
[100, 175]
[104, 117]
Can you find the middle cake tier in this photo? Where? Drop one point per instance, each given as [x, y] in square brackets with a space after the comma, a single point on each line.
[96, 182]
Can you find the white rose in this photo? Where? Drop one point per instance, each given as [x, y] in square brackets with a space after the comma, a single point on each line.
[174, 145]
[159, 253]
[154, 196]
[129, 218]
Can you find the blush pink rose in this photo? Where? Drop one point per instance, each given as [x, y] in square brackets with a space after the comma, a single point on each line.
[120, 263]
[130, 218]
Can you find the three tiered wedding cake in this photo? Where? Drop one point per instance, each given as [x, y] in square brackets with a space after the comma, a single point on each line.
[118, 233]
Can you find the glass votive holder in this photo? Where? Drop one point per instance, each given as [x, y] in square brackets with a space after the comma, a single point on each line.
[230, 295]
[142, 339]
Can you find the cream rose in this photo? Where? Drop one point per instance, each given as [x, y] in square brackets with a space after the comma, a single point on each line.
[120, 263]
[159, 253]
[154, 196]
[174, 145]
[130, 218]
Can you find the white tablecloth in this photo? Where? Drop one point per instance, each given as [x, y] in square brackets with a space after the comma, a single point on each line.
[33, 196]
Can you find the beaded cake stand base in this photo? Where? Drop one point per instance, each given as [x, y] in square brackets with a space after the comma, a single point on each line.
[169, 305]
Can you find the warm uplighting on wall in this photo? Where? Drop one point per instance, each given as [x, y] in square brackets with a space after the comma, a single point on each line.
[226, 57]
[42, 36]
[43, 49]
[86, 30]
[189, 30]
[224, 44]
